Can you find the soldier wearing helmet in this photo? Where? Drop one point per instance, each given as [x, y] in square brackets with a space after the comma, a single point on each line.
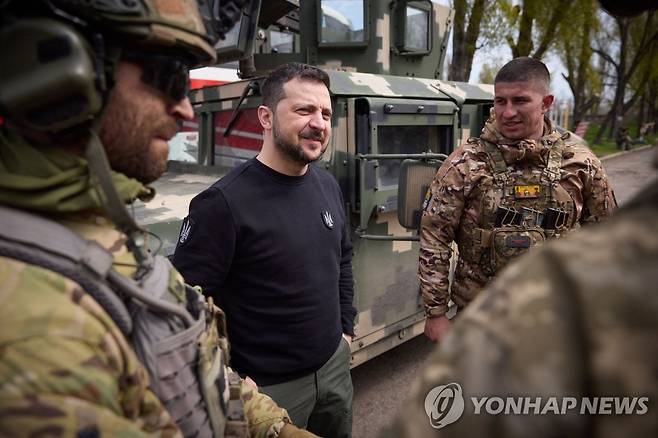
[97, 334]
[521, 182]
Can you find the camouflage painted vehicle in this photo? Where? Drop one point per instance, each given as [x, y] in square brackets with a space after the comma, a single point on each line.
[383, 60]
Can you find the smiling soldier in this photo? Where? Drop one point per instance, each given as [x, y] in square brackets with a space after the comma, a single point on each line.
[282, 268]
[518, 184]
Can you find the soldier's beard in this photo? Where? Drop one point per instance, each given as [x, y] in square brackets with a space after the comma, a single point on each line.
[295, 152]
[133, 135]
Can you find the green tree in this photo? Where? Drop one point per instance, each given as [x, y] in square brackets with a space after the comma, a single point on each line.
[477, 25]
[533, 25]
[465, 37]
[637, 37]
[573, 46]
[644, 86]
[488, 72]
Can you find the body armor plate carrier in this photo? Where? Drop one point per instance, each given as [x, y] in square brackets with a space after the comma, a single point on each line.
[532, 207]
[178, 337]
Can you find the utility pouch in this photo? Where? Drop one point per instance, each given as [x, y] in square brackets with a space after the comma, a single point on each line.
[170, 351]
[509, 242]
[506, 216]
[554, 219]
[212, 376]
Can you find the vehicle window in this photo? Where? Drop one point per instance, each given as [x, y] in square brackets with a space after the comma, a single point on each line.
[416, 29]
[342, 21]
[403, 140]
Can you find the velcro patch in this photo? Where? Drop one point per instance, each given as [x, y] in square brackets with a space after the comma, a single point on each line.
[521, 192]
[428, 198]
[517, 241]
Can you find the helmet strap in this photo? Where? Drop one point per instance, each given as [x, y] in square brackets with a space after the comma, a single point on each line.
[115, 207]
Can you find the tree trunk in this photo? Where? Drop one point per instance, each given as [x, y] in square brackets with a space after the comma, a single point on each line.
[640, 116]
[464, 39]
[557, 13]
[523, 46]
[602, 128]
[458, 26]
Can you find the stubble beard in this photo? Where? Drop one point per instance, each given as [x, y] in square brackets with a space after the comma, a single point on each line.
[127, 132]
[295, 152]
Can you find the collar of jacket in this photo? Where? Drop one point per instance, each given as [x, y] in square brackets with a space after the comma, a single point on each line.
[526, 150]
[50, 179]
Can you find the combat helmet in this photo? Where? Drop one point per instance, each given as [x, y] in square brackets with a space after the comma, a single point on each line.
[58, 59]
[61, 53]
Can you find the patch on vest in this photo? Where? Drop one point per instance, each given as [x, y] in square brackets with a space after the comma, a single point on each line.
[517, 241]
[186, 230]
[328, 220]
[521, 192]
[428, 198]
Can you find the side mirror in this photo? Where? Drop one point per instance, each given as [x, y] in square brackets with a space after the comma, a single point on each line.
[415, 179]
[239, 40]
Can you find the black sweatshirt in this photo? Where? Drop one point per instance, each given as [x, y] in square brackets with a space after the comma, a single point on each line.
[274, 252]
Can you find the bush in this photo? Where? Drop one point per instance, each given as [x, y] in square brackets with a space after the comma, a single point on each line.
[609, 146]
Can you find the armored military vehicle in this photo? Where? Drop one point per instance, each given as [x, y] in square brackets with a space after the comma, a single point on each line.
[389, 107]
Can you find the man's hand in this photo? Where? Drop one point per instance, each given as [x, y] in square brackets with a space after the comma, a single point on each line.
[348, 338]
[249, 381]
[436, 328]
[291, 431]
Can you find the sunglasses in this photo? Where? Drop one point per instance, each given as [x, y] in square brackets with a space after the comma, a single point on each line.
[164, 73]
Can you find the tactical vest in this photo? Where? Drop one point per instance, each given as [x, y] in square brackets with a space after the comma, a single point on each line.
[179, 337]
[518, 210]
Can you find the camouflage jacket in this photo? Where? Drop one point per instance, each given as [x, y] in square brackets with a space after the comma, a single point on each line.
[563, 321]
[66, 369]
[465, 188]
[65, 366]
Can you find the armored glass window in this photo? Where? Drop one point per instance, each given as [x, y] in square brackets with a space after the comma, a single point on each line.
[416, 29]
[342, 23]
[412, 27]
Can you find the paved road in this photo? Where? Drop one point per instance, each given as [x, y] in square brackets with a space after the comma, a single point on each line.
[381, 385]
[629, 172]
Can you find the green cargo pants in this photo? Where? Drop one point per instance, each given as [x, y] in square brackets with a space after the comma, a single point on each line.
[322, 401]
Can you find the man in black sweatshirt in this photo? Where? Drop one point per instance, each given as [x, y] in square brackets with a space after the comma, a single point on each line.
[270, 242]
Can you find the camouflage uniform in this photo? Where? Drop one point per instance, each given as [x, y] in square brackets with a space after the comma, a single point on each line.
[565, 321]
[65, 366]
[467, 190]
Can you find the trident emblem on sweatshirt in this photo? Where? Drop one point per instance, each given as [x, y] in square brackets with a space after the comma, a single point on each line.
[185, 231]
[328, 220]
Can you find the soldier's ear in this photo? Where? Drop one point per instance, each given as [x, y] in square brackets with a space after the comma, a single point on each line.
[547, 101]
[265, 116]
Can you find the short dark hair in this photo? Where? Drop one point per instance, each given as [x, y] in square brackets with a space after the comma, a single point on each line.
[272, 90]
[525, 69]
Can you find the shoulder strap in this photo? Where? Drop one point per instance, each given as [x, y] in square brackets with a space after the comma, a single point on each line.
[551, 173]
[45, 243]
[496, 161]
